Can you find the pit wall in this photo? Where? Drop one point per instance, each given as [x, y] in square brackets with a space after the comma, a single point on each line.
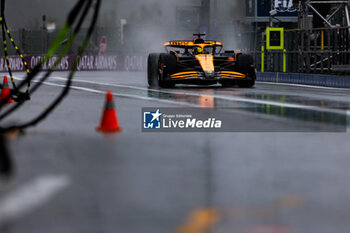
[305, 79]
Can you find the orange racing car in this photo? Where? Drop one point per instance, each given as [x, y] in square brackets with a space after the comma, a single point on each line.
[199, 62]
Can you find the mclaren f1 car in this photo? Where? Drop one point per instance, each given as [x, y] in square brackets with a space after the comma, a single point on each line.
[200, 62]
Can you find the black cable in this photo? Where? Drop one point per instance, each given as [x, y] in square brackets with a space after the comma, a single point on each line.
[17, 94]
[65, 91]
[18, 53]
[5, 50]
[70, 21]
[6, 167]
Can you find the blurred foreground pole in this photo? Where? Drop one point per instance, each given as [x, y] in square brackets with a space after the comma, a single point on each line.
[5, 160]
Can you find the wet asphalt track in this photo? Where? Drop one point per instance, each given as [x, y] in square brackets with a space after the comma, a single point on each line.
[281, 172]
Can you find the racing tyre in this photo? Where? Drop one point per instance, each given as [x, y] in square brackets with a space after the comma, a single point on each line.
[167, 66]
[246, 83]
[245, 65]
[153, 70]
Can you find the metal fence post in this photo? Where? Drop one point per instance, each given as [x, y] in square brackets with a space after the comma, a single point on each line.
[262, 59]
[284, 61]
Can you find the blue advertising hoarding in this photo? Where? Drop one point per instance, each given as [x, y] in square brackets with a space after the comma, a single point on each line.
[259, 10]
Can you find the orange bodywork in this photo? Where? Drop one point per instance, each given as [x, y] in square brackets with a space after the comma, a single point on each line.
[232, 74]
[206, 61]
[185, 75]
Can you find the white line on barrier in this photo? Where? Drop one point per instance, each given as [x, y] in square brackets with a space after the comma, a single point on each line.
[30, 196]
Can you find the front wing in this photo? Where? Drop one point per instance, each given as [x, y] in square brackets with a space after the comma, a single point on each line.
[201, 76]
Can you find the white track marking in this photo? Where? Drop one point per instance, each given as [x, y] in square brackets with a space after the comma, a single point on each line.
[122, 95]
[115, 94]
[271, 83]
[222, 97]
[306, 86]
[108, 84]
[30, 196]
[231, 98]
[262, 82]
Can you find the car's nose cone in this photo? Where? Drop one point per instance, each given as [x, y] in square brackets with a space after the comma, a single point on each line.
[209, 74]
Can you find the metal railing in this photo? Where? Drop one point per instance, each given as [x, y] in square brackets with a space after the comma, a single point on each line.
[321, 50]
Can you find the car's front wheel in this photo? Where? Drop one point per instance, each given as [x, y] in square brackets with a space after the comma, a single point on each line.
[153, 70]
[167, 67]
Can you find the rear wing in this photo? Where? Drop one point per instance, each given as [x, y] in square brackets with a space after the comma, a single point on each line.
[185, 43]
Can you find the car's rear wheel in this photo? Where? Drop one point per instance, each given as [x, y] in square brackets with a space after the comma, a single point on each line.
[245, 65]
[246, 83]
[153, 70]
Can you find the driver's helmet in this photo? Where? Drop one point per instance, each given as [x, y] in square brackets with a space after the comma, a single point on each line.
[199, 50]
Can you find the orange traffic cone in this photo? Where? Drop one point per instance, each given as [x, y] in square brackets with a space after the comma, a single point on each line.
[109, 121]
[6, 92]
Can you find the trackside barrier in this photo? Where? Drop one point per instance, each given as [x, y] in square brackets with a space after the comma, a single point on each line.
[87, 63]
[305, 79]
[138, 63]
